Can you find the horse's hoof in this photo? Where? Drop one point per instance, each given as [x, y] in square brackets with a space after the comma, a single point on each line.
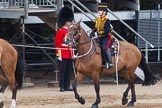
[130, 104]
[1, 104]
[124, 101]
[94, 106]
[81, 100]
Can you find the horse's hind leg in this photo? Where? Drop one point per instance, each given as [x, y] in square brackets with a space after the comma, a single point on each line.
[125, 95]
[131, 103]
[13, 102]
[13, 88]
[12, 84]
[9, 71]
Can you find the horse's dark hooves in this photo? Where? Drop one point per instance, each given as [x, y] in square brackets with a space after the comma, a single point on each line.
[130, 104]
[124, 101]
[1, 104]
[94, 106]
[81, 100]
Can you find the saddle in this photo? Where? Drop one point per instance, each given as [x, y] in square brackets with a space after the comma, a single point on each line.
[113, 46]
[113, 49]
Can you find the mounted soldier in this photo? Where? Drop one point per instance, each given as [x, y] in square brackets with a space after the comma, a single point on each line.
[103, 28]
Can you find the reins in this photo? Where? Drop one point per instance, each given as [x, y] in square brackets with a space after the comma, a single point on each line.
[83, 42]
[76, 56]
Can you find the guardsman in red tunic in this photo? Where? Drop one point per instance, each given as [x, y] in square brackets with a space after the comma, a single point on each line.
[64, 54]
[103, 27]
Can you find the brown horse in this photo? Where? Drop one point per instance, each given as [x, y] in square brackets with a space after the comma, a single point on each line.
[89, 63]
[11, 71]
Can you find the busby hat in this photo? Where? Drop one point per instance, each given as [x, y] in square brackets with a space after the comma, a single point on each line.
[102, 6]
[65, 14]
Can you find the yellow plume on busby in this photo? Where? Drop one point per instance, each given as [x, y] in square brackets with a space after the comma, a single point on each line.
[65, 14]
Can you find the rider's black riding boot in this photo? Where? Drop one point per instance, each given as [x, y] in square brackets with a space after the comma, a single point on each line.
[109, 64]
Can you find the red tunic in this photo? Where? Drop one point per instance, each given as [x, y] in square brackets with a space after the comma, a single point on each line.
[59, 40]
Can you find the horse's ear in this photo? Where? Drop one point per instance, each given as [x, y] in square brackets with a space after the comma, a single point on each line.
[79, 21]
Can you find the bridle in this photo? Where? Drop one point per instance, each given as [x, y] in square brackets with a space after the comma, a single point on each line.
[77, 33]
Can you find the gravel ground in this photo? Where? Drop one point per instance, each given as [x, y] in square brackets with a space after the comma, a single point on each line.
[111, 95]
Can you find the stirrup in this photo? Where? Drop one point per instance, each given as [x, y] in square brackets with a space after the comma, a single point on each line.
[108, 66]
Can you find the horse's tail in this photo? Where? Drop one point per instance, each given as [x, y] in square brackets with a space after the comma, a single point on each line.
[19, 73]
[150, 78]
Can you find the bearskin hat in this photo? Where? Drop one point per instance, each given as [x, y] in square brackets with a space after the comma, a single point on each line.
[102, 6]
[65, 14]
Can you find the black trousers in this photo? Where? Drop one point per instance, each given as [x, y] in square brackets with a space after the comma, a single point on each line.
[65, 71]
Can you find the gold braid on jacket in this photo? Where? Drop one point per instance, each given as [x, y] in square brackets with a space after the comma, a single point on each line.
[99, 25]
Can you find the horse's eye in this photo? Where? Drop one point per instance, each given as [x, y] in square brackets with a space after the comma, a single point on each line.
[71, 29]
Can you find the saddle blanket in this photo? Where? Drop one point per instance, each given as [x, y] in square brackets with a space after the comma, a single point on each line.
[139, 72]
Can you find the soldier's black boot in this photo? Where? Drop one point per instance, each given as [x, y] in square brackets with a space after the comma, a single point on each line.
[109, 64]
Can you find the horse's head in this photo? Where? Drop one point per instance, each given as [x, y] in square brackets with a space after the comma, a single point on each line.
[73, 34]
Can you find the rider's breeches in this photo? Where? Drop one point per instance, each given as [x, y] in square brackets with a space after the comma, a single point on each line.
[108, 53]
[104, 42]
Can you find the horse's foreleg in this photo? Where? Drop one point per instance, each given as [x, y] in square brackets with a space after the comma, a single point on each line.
[80, 99]
[97, 90]
[125, 95]
[78, 78]
[98, 99]
[131, 103]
